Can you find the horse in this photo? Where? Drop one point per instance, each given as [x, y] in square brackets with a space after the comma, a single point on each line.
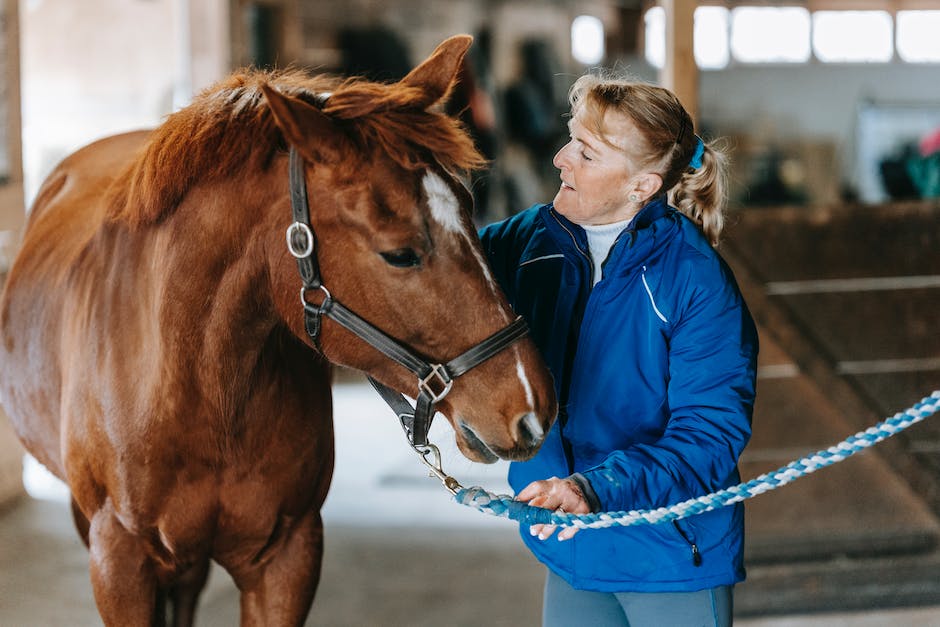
[157, 358]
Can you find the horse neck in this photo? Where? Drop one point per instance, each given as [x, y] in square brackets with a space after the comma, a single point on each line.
[218, 291]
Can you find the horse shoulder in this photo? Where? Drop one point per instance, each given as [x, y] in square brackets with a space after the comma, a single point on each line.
[38, 300]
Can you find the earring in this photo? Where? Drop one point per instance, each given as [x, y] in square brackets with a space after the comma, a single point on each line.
[634, 197]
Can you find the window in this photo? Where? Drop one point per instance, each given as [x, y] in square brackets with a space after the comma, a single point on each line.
[918, 40]
[587, 39]
[655, 48]
[710, 37]
[852, 36]
[770, 34]
[791, 34]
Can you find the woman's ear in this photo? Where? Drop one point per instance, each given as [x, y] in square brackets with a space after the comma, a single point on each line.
[647, 185]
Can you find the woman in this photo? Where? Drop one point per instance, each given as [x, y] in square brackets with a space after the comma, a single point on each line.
[654, 355]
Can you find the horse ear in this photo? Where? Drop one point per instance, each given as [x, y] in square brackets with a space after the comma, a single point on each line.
[305, 127]
[436, 74]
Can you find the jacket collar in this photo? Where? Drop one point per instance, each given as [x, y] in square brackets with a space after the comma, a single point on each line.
[571, 237]
[652, 211]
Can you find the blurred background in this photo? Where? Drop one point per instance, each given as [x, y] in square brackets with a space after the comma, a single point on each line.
[832, 111]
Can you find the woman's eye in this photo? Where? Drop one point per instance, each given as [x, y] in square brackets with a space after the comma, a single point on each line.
[585, 157]
[402, 258]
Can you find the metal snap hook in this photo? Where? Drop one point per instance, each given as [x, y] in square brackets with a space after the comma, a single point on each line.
[435, 467]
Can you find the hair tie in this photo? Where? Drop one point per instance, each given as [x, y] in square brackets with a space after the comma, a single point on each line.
[696, 162]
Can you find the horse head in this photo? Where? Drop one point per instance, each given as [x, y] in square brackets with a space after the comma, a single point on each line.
[395, 243]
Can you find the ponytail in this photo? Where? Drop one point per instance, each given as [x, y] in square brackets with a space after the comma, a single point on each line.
[701, 193]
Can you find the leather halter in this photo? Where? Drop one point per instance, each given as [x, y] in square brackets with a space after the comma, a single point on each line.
[434, 379]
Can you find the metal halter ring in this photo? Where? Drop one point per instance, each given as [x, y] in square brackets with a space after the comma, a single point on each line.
[299, 229]
[439, 372]
[322, 288]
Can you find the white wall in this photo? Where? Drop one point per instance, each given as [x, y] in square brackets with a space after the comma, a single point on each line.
[812, 99]
[98, 67]
[818, 101]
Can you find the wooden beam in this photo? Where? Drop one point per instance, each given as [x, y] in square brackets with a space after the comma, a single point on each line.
[12, 211]
[11, 77]
[12, 215]
[679, 73]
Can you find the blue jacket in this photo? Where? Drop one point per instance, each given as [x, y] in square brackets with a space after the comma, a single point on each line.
[655, 374]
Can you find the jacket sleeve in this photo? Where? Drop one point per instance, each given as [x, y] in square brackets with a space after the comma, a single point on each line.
[502, 243]
[710, 398]
[493, 239]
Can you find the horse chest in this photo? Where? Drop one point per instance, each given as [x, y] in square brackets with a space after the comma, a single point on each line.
[232, 522]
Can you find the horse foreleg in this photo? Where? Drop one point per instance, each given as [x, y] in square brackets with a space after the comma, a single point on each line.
[184, 593]
[123, 576]
[81, 523]
[282, 592]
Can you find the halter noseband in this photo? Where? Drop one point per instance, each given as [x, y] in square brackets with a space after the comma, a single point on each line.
[434, 379]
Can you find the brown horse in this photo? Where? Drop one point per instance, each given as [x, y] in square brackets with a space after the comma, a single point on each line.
[154, 351]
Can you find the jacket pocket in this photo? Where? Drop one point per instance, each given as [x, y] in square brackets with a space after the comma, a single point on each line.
[643, 553]
[696, 554]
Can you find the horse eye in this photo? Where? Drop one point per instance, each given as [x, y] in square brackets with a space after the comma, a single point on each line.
[402, 258]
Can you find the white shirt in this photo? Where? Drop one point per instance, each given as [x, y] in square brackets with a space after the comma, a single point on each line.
[600, 239]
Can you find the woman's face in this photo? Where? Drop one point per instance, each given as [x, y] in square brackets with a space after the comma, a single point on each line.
[596, 178]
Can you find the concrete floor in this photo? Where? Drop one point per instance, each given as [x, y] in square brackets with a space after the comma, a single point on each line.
[391, 577]
[399, 552]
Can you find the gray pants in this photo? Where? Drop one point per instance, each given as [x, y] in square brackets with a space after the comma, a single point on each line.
[563, 606]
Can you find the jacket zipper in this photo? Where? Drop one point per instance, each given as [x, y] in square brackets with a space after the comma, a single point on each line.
[696, 555]
[569, 455]
[576, 245]
[630, 233]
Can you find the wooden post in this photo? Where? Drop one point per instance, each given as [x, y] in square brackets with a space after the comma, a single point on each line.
[12, 216]
[679, 73]
[12, 211]
[287, 31]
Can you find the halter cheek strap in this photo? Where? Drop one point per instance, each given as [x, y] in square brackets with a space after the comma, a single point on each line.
[300, 239]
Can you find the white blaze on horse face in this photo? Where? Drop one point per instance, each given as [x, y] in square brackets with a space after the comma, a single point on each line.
[445, 210]
[520, 372]
[444, 206]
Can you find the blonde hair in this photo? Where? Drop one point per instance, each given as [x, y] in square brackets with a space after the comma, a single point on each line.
[669, 133]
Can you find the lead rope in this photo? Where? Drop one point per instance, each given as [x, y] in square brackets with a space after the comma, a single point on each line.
[506, 507]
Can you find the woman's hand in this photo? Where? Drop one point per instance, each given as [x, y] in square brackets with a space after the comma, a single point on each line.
[554, 494]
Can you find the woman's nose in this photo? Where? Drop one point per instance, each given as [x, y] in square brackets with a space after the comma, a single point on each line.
[560, 159]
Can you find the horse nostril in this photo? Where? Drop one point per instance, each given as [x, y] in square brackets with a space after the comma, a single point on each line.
[530, 430]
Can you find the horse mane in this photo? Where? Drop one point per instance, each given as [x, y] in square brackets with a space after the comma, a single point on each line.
[229, 128]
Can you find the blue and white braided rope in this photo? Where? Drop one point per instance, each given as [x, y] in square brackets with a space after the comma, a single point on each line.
[505, 506]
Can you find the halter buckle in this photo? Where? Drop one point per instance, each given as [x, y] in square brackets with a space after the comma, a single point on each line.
[299, 240]
[440, 374]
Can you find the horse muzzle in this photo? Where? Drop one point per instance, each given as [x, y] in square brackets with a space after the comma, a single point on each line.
[527, 436]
